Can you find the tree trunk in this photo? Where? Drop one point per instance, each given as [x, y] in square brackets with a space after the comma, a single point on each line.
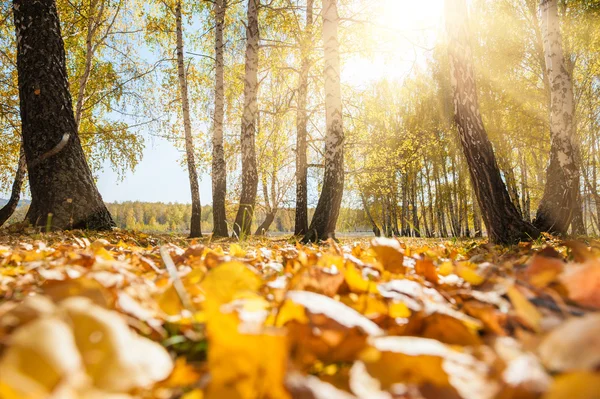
[503, 223]
[430, 197]
[376, 229]
[476, 218]
[196, 220]
[558, 203]
[394, 206]
[245, 214]
[264, 227]
[92, 27]
[328, 208]
[63, 191]
[219, 167]
[301, 221]
[526, 199]
[439, 203]
[15, 195]
[415, 208]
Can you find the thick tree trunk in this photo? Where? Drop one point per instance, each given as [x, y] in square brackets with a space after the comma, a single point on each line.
[196, 219]
[503, 223]
[63, 191]
[301, 221]
[15, 195]
[328, 208]
[558, 203]
[245, 214]
[219, 167]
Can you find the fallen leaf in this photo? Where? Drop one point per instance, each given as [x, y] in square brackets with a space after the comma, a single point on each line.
[389, 253]
[573, 346]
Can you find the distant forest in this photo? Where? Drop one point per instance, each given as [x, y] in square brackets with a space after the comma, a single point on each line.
[158, 217]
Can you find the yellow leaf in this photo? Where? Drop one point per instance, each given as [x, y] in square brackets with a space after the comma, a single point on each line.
[466, 271]
[399, 310]
[183, 374]
[389, 253]
[195, 394]
[290, 311]
[355, 280]
[524, 309]
[445, 269]
[225, 281]
[583, 385]
[236, 251]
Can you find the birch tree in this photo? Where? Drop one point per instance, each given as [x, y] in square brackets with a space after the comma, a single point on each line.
[501, 218]
[195, 222]
[305, 43]
[326, 214]
[559, 201]
[64, 195]
[219, 166]
[245, 214]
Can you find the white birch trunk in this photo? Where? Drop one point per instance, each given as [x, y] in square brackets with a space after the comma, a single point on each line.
[328, 208]
[195, 224]
[245, 215]
[558, 203]
[219, 166]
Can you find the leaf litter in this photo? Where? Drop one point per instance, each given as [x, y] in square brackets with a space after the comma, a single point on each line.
[129, 315]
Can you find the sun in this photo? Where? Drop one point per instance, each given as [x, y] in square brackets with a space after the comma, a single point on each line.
[403, 31]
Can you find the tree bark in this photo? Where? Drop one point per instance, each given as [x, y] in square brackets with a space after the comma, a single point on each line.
[326, 214]
[264, 226]
[301, 221]
[15, 195]
[196, 219]
[503, 223]
[558, 203]
[374, 226]
[245, 214]
[92, 27]
[63, 191]
[219, 166]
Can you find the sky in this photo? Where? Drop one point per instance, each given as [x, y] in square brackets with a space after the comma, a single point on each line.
[159, 177]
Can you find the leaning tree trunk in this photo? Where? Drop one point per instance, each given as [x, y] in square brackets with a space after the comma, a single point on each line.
[245, 214]
[328, 208]
[503, 223]
[266, 224]
[301, 221]
[196, 219]
[374, 226]
[219, 167]
[558, 203]
[63, 191]
[15, 195]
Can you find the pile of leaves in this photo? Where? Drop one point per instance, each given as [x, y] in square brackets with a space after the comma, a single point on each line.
[126, 315]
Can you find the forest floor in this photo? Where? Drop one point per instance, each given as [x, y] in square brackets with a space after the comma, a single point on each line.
[130, 315]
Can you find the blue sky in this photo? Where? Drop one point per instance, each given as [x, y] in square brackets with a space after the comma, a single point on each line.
[159, 177]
